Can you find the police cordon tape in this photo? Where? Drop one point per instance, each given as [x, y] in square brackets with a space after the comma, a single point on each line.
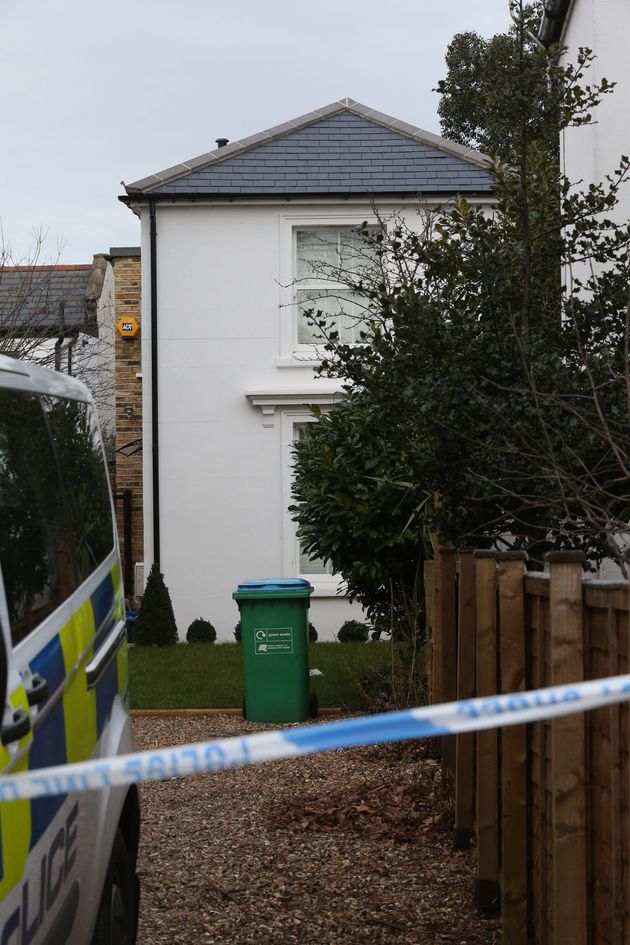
[450, 718]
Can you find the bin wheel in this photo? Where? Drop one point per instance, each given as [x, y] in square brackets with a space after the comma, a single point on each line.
[313, 706]
[244, 709]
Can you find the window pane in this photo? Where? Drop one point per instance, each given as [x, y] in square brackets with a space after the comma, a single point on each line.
[306, 564]
[354, 252]
[343, 310]
[317, 250]
[75, 434]
[323, 253]
[35, 540]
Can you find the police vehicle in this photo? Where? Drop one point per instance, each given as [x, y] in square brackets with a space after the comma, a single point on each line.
[68, 863]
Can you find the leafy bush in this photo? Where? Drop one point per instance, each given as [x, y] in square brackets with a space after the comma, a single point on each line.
[155, 624]
[238, 633]
[368, 525]
[312, 633]
[201, 631]
[353, 631]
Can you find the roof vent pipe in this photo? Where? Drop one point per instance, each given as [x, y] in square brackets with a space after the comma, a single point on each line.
[221, 142]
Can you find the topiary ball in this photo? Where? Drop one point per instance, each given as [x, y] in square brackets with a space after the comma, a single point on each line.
[201, 631]
[353, 631]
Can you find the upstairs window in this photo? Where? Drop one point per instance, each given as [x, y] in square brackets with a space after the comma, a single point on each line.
[322, 255]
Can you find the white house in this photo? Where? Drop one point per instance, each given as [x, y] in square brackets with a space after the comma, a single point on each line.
[590, 153]
[228, 357]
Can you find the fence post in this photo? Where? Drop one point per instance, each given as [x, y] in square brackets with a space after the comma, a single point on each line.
[568, 822]
[514, 864]
[436, 650]
[466, 689]
[487, 741]
[448, 626]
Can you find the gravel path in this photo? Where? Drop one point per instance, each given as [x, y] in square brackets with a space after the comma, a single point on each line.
[344, 848]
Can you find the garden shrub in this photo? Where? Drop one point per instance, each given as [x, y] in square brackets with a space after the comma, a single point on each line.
[353, 631]
[155, 624]
[201, 631]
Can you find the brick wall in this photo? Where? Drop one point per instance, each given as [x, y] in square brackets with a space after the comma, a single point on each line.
[128, 406]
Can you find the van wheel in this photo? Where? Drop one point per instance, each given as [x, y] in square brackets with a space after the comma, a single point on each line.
[117, 919]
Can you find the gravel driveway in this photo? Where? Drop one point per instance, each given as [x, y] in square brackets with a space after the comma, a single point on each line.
[343, 848]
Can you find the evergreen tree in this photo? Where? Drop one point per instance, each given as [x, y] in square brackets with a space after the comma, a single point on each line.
[155, 624]
[496, 363]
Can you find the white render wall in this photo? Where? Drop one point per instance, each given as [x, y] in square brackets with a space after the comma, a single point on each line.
[591, 152]
[222, 486]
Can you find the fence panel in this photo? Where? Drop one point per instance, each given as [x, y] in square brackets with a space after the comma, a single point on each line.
[550, 807]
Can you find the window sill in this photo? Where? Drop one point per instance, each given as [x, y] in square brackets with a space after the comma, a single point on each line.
[332, 588]
[299, 360]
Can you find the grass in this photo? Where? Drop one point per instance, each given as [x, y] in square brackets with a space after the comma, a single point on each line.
[204, 676]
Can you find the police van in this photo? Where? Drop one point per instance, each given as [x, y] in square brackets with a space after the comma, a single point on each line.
[68, 863]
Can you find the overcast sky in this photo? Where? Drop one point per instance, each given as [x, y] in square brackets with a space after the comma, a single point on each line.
[93, 94]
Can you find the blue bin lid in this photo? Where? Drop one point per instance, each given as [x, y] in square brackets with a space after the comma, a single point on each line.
[275, 584]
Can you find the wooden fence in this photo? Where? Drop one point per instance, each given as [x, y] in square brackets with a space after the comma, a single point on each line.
[548, 803]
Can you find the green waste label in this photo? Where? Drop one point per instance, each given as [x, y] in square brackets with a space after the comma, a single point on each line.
[276, 641]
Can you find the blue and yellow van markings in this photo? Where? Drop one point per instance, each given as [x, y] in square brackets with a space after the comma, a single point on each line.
[103, 607]
[49, 747]
[15, 818]
[68, 729]
[79, 703]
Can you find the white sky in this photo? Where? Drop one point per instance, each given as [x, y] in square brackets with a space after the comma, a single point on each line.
[96, 93]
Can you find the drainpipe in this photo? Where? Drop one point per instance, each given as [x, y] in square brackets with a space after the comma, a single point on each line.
[155, 439]
[516, 12]
[71, 343]
[60, 334]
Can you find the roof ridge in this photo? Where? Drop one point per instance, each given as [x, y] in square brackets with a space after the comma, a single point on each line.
[171, 174]
[51, 268]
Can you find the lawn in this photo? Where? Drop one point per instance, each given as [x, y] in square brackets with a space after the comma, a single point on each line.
[209, 676]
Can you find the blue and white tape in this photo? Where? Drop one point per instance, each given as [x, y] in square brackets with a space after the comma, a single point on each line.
[429, 721]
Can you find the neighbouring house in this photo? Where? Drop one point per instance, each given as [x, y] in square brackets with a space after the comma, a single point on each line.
[591, 152]
[128, 368]
[228, 357]
[62, 316]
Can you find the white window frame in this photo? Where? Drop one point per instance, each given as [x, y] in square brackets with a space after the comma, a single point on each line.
[324, 585]
[293, 354]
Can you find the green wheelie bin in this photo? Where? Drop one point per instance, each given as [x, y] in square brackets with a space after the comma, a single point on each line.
[274, 634]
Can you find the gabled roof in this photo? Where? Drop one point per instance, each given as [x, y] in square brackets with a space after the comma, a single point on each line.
[31, 296]
[344, 148]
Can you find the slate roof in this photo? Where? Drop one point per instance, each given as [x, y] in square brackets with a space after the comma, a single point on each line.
[344, 148]
[30, 297]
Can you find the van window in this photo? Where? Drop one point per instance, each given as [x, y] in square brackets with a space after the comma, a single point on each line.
[35, 538]
[77, 442]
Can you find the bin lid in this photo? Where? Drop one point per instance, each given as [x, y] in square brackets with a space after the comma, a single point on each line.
[275, 584]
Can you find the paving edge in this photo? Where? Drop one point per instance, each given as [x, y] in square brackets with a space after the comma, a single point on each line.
[191, 713]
